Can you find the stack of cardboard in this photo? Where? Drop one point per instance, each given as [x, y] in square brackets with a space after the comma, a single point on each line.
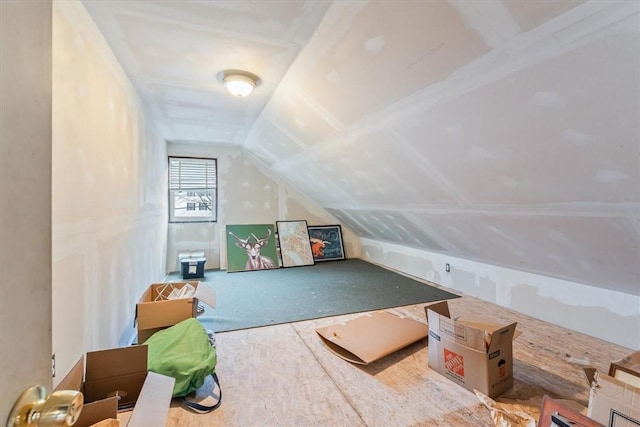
[117, 379]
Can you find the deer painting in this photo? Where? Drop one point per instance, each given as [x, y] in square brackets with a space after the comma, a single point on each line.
[253, 245]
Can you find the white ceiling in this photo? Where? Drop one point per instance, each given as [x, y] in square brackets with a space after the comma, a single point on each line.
[500, 131]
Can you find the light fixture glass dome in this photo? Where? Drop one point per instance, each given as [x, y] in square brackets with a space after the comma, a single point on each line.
[239, 84]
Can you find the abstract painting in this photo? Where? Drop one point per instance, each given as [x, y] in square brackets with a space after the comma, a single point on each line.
[295, 247]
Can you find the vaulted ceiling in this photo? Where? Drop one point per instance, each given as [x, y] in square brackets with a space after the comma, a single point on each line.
[504, 131]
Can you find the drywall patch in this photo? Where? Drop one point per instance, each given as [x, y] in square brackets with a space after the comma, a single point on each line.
[617, 326]
[577, 138]
[559, 237]
[455, 132]
[585, 265]
[333, 77]
[550, 100]
[607, 176]
[480, 153]
[590, 296]
[555, 257]
[375, 44]
[509, 182]
[80, 43]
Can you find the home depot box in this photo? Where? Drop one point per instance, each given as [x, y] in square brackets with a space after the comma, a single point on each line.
[613, 402]
[165, 304]
[476, 355]
[372, 336]
[117, 379]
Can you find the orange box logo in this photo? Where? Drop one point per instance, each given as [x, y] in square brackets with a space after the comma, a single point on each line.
[454, 362]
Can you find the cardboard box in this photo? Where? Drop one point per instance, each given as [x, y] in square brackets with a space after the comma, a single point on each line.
[474, 354]
[612, 402]
[627, 369]
[118, 379]
[157, 309]
[372, 336]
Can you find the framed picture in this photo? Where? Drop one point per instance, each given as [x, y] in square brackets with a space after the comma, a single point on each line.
[554, 413]
[251, 247]
[295, 247]
[326, 242]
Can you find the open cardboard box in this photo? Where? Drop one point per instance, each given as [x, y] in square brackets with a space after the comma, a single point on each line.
[372, 336]
[627, 369]
[474, 354]
[612, 402]
[156, 310]
[117, 379]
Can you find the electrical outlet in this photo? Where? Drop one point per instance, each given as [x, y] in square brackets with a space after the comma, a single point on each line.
[53, 365]
[447, 267]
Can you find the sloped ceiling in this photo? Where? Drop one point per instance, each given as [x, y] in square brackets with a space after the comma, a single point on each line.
[505, 132]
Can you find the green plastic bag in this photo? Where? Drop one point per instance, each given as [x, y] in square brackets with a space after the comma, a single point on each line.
[182, 351]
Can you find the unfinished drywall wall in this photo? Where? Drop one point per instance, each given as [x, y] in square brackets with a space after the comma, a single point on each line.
[25, 199]
[520, 148]
[247, 194]
[606, 314]
[535, 152]
[502, 132]
[109, 209]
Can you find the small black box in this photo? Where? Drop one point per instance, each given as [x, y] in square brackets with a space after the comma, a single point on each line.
[192, 268]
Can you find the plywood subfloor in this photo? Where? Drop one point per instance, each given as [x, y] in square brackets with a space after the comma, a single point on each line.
[284, 376]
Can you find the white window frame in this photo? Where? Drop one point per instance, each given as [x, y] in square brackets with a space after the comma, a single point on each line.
[192, 180]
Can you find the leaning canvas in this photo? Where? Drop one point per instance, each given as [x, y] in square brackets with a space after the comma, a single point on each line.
[295, 248]
[251, 247]
[326, 242]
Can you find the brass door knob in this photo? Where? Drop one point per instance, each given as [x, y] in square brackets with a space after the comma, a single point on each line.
[34, 409]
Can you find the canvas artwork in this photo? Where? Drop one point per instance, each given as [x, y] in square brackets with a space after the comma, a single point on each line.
[295, 248]
[251, 247]
[326, 242]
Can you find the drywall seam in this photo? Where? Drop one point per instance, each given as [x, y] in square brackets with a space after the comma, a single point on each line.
[573, 210]
[483, 17]
[528, 49]
[75, 13]
[253, 141]
[249, 38]
[502, 62]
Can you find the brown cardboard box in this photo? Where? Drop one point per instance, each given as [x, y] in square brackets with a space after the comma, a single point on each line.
[474, 354]
[627, 369]
[372, 336]
[117, 379]
[157, 310]
[612, 402]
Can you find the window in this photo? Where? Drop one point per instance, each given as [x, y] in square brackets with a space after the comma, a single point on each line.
[192, 190]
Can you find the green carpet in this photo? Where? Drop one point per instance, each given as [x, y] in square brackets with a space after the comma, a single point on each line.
[267, 297]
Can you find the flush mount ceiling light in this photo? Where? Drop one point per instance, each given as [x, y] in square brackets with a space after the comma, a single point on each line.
[239, 83]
